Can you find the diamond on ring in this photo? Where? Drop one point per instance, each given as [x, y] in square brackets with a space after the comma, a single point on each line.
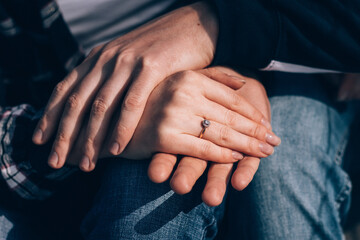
[205, 124]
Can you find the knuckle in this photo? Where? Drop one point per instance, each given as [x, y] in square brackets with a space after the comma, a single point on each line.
[256, 115]
[256, 131]
[44, 118]
[148, 62]
[224, 134]
[61, 138]
[235, 100]
[106, 54]
[133, 102]
[230, 118]
[204, 149]
[125, 57]
[60, 88]
[73, 102]
[182, 95]
[99, 107]
[252, 145]
[89, 144]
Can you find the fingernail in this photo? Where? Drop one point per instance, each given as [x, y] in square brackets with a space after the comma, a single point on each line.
[85, 163]
[115, 148]
[266, 148]
[266, 123]
[272, 139]
[237, 155]
[53, 159]
[38, 135]
[237, 78]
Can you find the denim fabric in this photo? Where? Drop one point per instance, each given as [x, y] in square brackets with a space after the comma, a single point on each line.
[130, 206]
[57, 218]
[302, 191]
[14, 226]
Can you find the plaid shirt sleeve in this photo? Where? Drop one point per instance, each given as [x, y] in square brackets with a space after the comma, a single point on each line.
[23, 164]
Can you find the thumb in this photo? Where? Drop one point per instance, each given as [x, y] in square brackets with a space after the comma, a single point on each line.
[234, 82]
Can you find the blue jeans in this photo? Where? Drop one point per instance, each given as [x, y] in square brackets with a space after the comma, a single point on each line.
[300, 192]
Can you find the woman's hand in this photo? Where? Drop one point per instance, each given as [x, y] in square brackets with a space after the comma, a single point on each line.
[190, 169]
[171, 122]
[138, 61]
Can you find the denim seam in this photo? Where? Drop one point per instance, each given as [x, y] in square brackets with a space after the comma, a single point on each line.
[344, 193]
[339, 155]
[208, 226]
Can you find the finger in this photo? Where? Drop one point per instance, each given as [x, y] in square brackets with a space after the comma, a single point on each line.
[48, 122]
[215, 188]
[225, 136]
[75, 154]
[76, 106]
[231, 81]
[132, 109]
[200, 148]
[101, 113]
[161, 167]
[244, 172]
[215, 112]
[186, 174]
[228, 98]
[222, 136]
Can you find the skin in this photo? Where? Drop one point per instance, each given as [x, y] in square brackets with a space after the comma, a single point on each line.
[127, 68]
[121, 75]
[167, 101]
[190, 169]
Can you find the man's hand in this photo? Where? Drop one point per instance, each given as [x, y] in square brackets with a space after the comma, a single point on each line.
[190, 169]
[181, 40]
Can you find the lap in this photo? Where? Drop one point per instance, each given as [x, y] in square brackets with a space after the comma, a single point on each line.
[129, 206]
[302, 190]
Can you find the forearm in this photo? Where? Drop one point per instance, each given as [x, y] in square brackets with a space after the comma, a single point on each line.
[294, 36]
[23, 165]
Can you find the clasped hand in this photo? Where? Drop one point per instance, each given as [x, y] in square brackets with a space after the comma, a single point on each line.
[121, 85]
[171, 124]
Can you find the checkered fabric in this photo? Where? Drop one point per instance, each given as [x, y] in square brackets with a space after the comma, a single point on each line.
[23, 165]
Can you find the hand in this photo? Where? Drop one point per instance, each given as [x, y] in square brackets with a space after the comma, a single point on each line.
[138, 61]
[142, 149]
[190, 169]
[350, 87]
[171, 122]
